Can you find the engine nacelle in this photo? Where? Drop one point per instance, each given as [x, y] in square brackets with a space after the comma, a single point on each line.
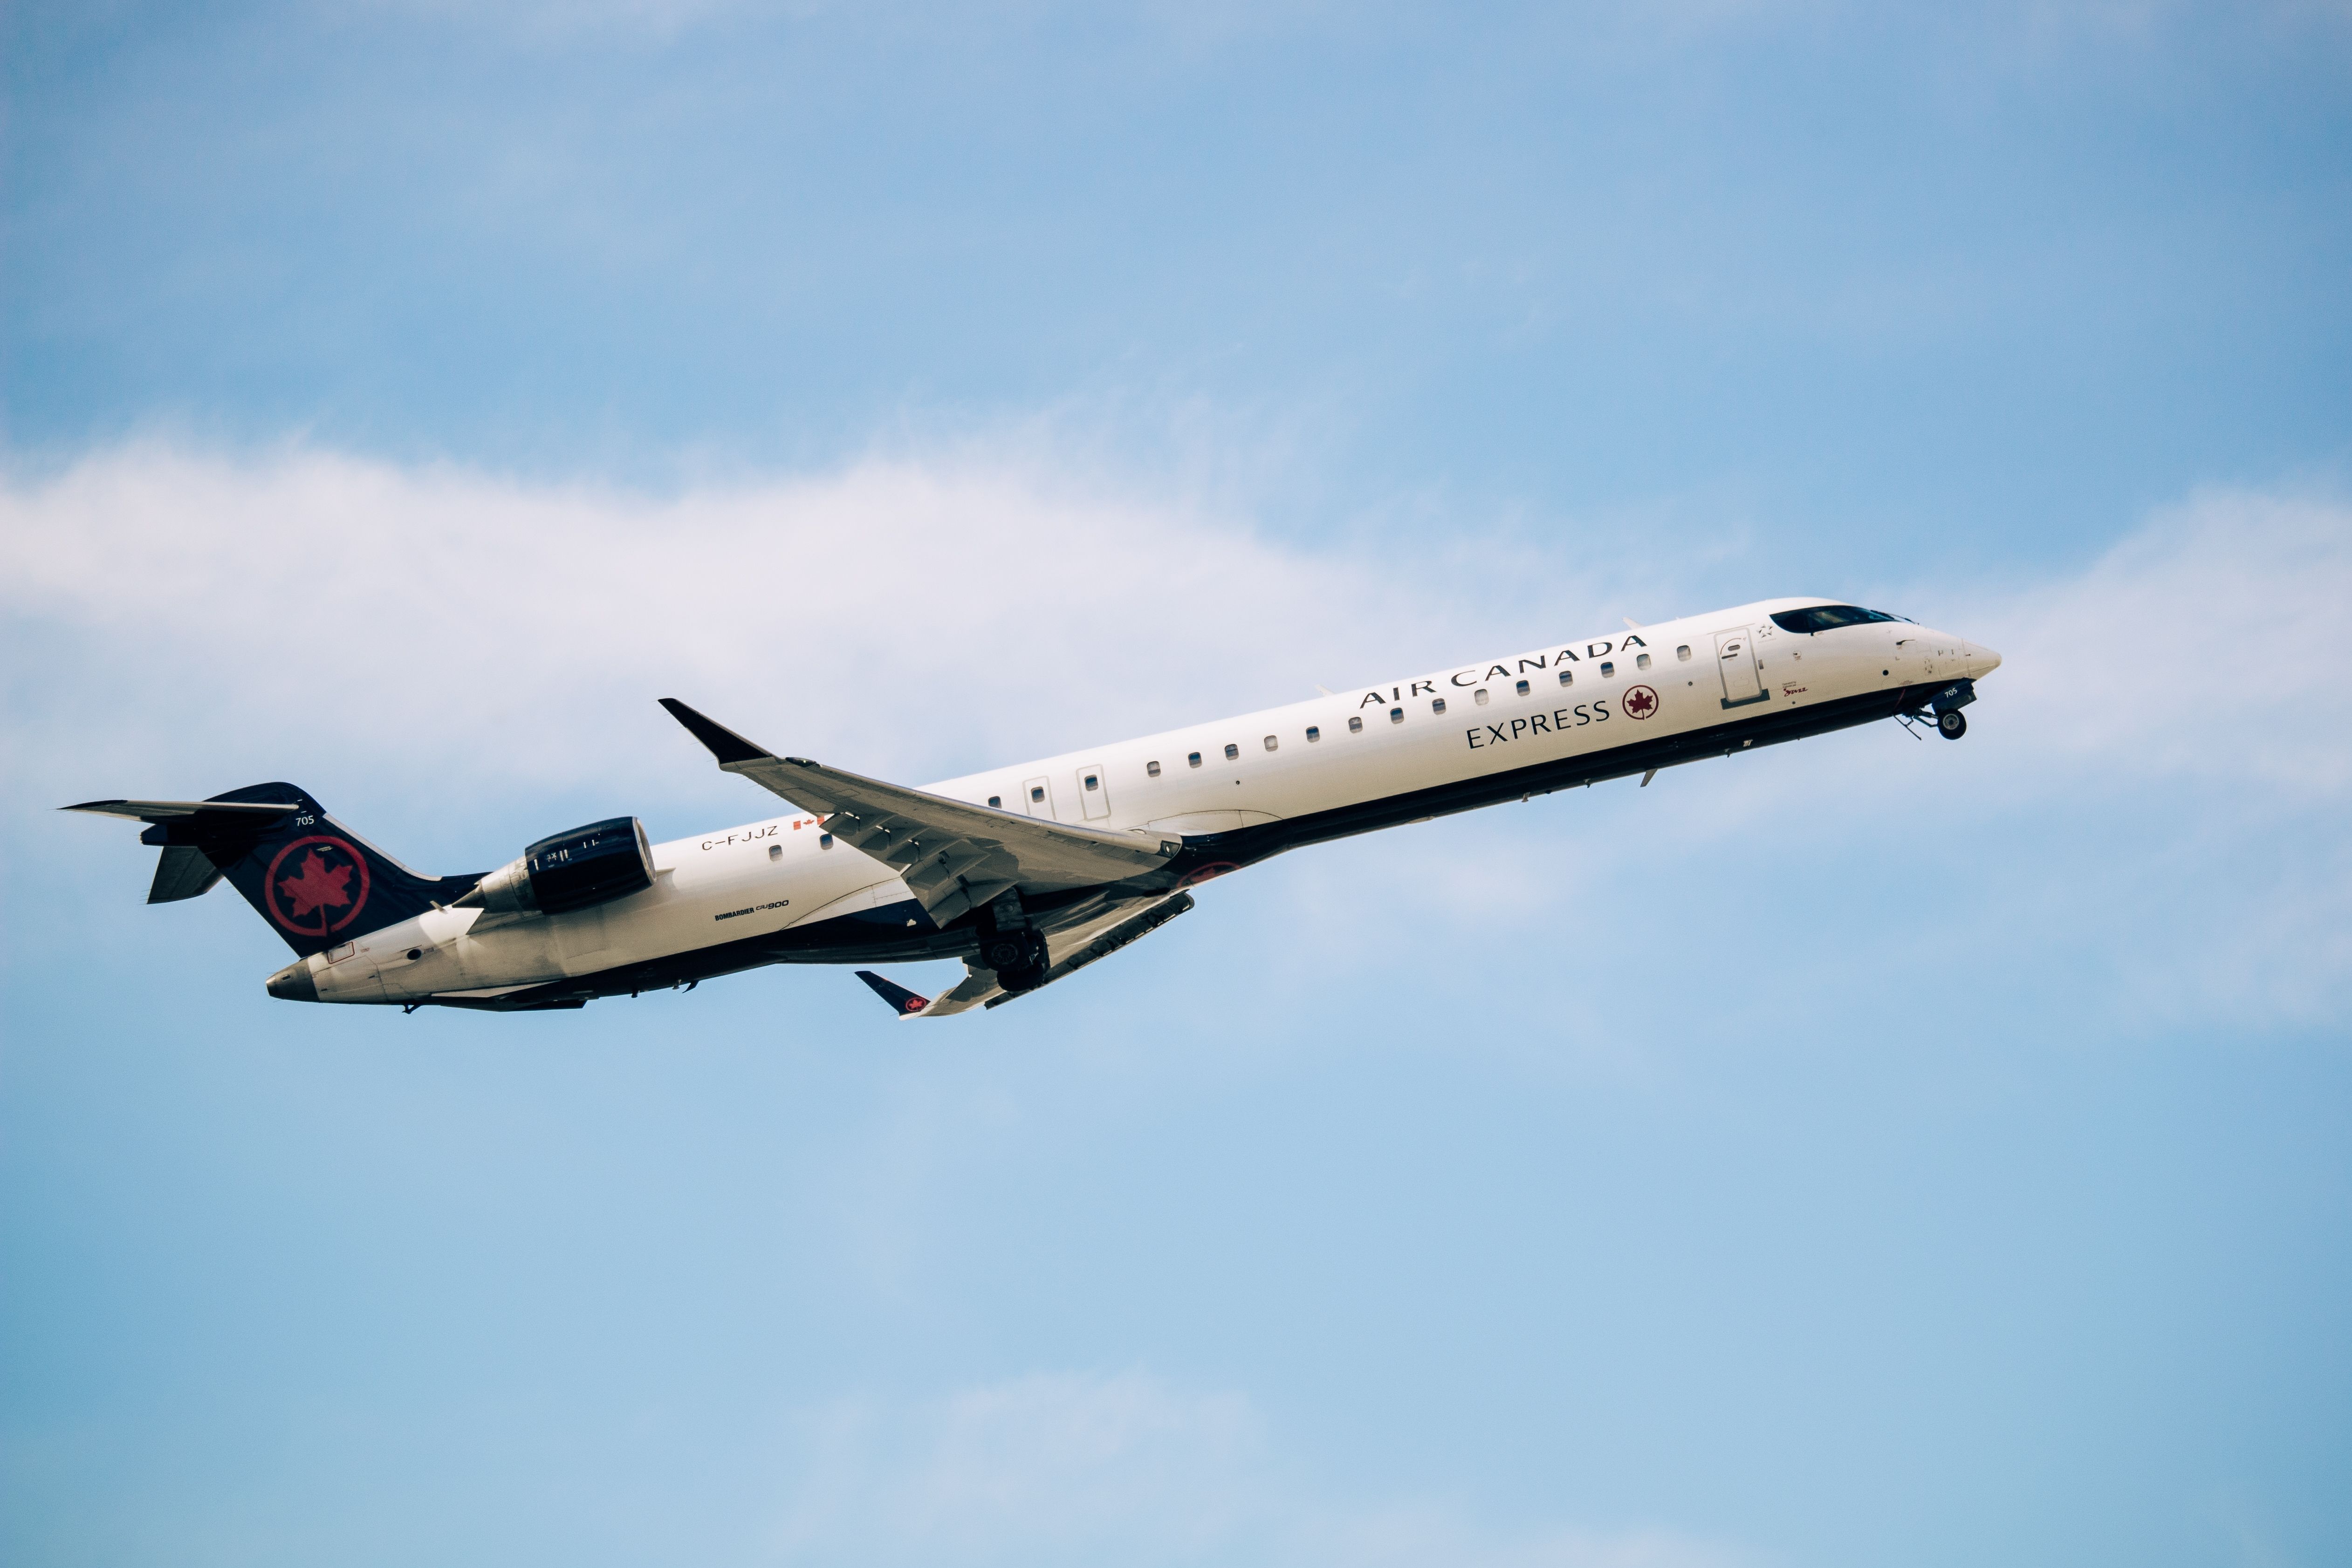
[587, 866]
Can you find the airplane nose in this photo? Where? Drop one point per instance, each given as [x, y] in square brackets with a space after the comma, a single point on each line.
[1981, 660]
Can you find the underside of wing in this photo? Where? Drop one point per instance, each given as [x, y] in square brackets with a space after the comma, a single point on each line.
[955, 856]
[1072, 950]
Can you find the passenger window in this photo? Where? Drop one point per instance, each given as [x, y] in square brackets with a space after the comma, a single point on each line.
[1037, 792]
[1608, 669]
[1640, 661]
[1314, 733]
[1094, 781]
[775, 852]
[1232, 753]
[1438, 705]
[824, 841]
[997, 801]
[1396, 716]
[1481, 695]
[1523, 688]
[1568, 678]
[1271, 743]
[1152, 768]
[1683, 652]
[1355, 726]
[1194, 759]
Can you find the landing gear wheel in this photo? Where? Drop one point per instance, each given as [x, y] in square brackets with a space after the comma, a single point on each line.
[1010, 950]
[1953, 724]
[1019, 980]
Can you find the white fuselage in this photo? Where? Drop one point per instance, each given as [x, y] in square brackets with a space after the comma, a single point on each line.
[1399, 736]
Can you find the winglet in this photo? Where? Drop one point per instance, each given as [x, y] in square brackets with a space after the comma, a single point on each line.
[724, 743]
[903, 1002]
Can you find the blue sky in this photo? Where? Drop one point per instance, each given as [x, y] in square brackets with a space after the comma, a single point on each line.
[1875, 1151]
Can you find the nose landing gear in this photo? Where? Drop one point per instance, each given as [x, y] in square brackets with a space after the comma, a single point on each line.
[1944, 708]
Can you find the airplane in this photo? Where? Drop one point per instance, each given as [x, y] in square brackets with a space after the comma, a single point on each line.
[1031, 872]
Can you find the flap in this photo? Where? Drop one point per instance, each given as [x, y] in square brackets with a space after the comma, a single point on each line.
[955, 855]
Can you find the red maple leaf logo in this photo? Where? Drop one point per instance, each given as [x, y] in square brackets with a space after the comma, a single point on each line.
[318, 886]
[1640, 701]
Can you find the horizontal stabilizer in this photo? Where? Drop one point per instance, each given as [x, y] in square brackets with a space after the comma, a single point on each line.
[252, 811]
[183, 871]
[903, 1002]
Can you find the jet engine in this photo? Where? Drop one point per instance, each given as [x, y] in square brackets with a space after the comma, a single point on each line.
[587, 866]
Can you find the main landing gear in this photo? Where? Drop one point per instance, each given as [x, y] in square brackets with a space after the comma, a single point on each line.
[1017, 956]
[1011, 946]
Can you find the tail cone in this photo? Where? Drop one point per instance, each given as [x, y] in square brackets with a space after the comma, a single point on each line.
[294, 983]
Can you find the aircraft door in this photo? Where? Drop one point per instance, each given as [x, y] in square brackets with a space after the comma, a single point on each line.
[1735, 655]
[1037, 797]
[1093, 791]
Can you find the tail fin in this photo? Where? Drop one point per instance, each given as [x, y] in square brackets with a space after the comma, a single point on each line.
[315, 881]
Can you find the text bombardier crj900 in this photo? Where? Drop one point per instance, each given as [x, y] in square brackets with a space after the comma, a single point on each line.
[1030, 872]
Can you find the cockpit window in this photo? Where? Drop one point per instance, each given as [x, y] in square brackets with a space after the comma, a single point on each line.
[1822, 617]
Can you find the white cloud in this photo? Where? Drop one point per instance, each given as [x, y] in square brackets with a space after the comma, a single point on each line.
[2204, 645]
[906, 614]
[1129, 1467]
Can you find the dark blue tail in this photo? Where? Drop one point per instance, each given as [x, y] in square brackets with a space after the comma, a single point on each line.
[317, 882]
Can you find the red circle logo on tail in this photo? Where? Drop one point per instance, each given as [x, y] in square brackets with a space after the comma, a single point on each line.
[316, 885]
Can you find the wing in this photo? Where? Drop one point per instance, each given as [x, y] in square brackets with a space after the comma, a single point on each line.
[1072, 950]
[955, 856]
